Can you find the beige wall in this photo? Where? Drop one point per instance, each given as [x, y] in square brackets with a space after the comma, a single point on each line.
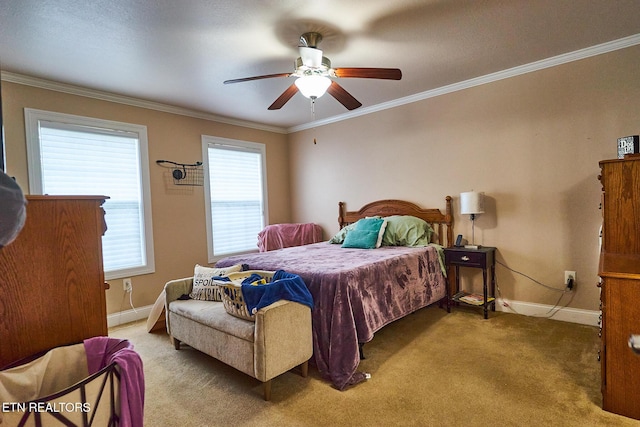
[178, 212]
[532, 143]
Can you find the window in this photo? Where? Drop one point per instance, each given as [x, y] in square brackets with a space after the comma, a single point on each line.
[73, 155]
[235, 193]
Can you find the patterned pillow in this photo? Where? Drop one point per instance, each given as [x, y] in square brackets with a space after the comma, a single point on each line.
[204, 287]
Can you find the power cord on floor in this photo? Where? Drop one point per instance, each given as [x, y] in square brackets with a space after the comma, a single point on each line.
[531, 278]
[555, 307]
[131, 300]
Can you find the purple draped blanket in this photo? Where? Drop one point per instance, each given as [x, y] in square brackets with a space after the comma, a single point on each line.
[102, 351]
[278, 236]
[355, 293]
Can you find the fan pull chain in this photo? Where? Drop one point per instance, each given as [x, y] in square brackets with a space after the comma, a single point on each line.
[313, 114]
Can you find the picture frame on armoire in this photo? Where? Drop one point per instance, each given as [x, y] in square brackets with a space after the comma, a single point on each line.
[628, 145]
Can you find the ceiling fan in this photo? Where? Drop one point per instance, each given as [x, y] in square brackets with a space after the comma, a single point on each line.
[313, 74]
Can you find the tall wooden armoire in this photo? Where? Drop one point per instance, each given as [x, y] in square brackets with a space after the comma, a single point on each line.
[52, 289]
[620, 285]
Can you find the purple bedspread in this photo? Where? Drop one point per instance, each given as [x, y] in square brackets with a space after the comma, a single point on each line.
[355, 293]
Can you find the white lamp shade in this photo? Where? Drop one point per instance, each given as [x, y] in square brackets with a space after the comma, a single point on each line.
[313, 86]
[471, 202]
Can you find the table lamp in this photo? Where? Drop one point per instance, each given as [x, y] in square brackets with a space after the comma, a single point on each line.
[472, 203]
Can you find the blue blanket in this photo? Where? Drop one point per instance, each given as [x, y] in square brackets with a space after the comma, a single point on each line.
[283, 285]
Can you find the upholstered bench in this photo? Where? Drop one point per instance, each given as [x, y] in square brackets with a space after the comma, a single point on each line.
[279, 339]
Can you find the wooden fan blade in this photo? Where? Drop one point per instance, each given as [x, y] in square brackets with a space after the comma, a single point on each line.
[282, 99]
[343, 97]
[266, 76]
[370, 73]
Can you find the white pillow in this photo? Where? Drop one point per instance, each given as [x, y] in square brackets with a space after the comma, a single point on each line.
[204, 288]
[381, 233]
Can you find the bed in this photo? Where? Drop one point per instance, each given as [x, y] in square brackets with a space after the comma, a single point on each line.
[355, 291]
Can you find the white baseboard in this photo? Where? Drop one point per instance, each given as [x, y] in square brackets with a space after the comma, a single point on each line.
[565, 314]
[127, 316]
[573, 315]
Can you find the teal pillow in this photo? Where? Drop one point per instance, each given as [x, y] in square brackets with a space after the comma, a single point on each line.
[367, 234]
[406, 230]
[376, 224]
[369, 224]
[340, 235]
[361, 239]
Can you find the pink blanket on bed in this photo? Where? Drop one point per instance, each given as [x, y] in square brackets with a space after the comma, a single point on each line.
[278, 236]
[355, 293]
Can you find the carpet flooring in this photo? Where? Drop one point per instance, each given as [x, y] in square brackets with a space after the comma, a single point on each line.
[431, 368]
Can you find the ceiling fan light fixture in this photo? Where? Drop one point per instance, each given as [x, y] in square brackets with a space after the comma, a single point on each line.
[313, 86]
[314, 74]
[311, 57]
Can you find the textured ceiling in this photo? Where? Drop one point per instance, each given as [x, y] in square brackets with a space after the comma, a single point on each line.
[180, 52]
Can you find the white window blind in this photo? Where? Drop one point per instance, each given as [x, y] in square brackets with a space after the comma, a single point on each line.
[78, 159]
[236, 193]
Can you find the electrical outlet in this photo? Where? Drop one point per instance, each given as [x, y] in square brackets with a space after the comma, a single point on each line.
[570, 279]
[127, 285]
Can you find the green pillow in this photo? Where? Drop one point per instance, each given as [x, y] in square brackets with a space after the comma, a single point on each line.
[361, 239]
[340, 235]
[406, 230]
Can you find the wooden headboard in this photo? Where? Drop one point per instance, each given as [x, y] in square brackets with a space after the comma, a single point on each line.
[435, 217]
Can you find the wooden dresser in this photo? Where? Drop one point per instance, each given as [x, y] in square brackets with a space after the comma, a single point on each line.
[620, 285]
[52, 289]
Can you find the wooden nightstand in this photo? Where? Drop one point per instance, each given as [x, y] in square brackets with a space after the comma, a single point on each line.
[484, 258]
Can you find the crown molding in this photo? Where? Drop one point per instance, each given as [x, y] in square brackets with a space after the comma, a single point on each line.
[477, 81]
[134, 102]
